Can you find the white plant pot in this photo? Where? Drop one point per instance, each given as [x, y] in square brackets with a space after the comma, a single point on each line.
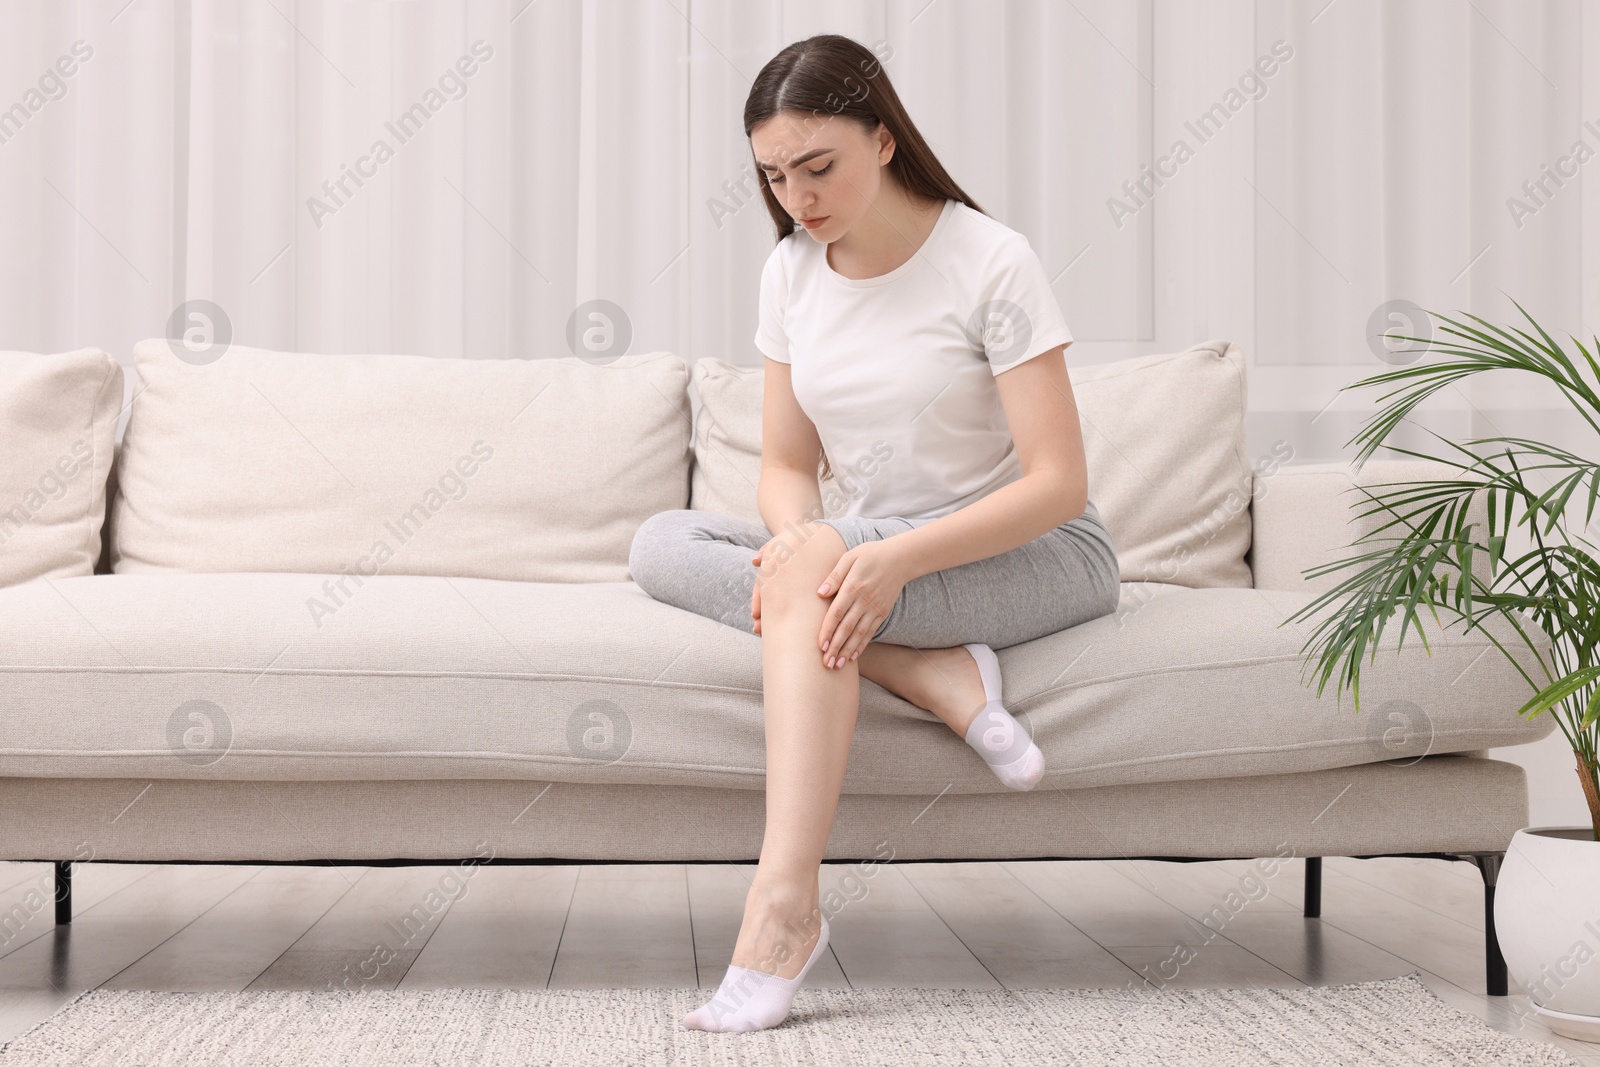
[1547, 917]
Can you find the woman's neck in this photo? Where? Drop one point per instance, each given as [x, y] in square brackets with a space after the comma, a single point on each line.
[888, 235]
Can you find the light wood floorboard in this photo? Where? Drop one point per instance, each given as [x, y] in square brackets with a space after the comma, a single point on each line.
[1009, 924]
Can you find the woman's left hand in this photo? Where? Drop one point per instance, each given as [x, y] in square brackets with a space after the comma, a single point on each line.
[864, 586]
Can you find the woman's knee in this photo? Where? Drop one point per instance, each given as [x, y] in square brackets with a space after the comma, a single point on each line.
[792, 573]
[653, 542]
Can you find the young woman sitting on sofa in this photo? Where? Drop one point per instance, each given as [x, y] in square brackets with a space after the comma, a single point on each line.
[914, 342]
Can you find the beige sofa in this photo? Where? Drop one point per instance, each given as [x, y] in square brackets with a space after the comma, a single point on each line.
[376, 609]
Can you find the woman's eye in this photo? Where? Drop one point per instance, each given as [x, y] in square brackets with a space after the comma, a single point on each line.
[777, 179]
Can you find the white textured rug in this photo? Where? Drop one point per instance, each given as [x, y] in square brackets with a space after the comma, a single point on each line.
[1397, 1021]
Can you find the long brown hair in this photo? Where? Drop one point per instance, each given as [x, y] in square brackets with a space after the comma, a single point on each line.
[829, 75]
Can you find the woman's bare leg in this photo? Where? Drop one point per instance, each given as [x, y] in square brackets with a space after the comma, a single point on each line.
[944, 681]
[810, 716]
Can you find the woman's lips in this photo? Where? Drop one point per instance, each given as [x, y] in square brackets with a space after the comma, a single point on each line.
[812, 224]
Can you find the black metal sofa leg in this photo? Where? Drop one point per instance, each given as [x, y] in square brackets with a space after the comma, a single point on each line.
[1488, 863]
[1494, 963]
[63, 893]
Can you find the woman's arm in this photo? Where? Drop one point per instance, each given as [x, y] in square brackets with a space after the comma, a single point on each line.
[788, 493]
[1053, 489]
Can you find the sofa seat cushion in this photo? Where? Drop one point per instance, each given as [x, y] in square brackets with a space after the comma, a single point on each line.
[228, 675]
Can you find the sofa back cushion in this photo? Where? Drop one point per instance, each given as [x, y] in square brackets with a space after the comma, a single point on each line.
[58, 427]
[531, 470]
[1163, 439]
[727, 443]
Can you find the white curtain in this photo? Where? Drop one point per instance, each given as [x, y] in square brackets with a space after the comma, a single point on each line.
[596, 152]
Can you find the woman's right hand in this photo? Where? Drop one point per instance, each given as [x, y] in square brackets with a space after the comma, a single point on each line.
[755, 595]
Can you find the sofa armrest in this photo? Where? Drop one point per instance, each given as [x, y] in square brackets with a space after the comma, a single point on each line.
[1309, 515]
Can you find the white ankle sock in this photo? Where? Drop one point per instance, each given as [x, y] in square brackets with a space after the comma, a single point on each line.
[998, 737]
[749, 999]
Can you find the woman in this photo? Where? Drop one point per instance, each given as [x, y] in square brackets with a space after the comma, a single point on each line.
[918, 340]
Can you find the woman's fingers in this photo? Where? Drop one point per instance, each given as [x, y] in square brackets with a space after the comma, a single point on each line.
[865, 628]
[836, 625]
[755, 594]
[851, 636]
[859, 628]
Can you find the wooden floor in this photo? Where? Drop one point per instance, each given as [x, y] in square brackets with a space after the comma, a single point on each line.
[968, 925]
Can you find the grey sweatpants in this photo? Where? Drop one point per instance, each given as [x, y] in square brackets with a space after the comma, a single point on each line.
[700, 561]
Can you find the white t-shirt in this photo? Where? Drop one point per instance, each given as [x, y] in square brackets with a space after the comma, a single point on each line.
[897, 372]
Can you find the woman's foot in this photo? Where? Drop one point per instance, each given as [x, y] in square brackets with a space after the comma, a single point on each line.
[949, 682]
[996, 735]
[780, 927]
[961, 685]
[781, 939]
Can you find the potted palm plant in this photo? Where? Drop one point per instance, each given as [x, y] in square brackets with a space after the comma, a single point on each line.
[1546, 912]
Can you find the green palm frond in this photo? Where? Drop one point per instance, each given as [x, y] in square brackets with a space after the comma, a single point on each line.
[1428, 552]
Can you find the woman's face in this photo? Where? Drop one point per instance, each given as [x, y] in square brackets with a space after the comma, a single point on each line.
[822, 167]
